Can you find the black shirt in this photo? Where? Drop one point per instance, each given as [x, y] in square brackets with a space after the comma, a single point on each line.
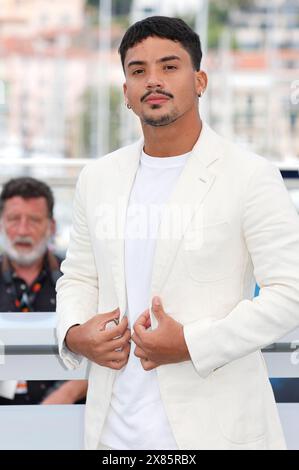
[17, 296]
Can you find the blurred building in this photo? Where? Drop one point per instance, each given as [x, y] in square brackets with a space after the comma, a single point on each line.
[24, 18]
[51, 70]
[252, 76]
[45, 75]
[264, 23]
[143, 8]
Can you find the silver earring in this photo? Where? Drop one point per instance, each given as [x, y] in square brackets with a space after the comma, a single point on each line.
[200, 94]
[128, 106]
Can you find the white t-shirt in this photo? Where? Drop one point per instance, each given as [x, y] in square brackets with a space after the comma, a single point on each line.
[136, 418]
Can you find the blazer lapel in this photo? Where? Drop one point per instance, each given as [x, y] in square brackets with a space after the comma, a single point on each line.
[124, 178]
[193, 185]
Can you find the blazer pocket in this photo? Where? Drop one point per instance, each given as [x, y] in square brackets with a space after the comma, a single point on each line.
[239, 400]
[209, 252]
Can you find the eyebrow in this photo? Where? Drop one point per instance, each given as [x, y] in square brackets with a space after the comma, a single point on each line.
[163, 59]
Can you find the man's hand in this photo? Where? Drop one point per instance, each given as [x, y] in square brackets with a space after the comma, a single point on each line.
[164, 345]
[109, 348]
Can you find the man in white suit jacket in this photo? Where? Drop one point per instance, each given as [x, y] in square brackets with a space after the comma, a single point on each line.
[195, 344]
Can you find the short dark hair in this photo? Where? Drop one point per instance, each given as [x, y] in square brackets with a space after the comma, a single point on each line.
[163, 27]
[27, 188]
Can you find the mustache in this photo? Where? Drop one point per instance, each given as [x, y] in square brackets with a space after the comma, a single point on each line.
[156, 92]
[23, 240]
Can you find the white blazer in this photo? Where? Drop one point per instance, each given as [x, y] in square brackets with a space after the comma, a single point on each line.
[241, 227]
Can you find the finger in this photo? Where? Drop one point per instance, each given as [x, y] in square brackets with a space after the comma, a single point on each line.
[148, 322]
[147, 364]
[123, 325]
[126, 336]
[140, 326]
[118, 355]
[118, 330]
[116, 365]
[120, 342]
[120, 360]
[157, 308]
[103, 318]
[140, 353]
[143, 318]
[136, 339]
[140, 331]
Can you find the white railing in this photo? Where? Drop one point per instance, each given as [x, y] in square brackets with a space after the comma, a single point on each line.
[42, 427]
[30, 353]
[30, 348]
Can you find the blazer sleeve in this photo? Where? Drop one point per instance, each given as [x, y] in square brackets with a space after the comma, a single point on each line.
[271, 232]
[77, 288]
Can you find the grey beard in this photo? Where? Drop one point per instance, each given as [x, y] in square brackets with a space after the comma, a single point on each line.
[25, 259]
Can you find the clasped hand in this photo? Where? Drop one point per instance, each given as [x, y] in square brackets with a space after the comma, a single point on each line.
[111, 348]
[163, 345]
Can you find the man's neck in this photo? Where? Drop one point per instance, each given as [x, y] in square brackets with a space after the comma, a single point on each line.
[28, 273]
[174, 139]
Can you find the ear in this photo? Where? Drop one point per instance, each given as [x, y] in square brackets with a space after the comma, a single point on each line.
[125, 90]
[201, 81]
[52, 226]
